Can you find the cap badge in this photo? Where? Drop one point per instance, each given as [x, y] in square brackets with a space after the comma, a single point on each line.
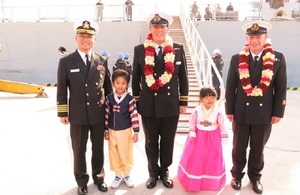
[156, 18]
[255, 27]
[86, 24]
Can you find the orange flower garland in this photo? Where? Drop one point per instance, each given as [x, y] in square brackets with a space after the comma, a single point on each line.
[156, 84]
[267, 70]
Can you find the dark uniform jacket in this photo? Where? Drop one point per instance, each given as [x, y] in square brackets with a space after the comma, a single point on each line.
[166, 101]
[87, 89]
[256, 110]
[218, 60]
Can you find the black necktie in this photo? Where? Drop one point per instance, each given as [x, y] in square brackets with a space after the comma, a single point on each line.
[88, 63]
[160, 53]
[255, 60]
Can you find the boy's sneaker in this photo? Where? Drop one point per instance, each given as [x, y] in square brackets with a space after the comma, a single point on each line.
[116, 182]
[128, 181]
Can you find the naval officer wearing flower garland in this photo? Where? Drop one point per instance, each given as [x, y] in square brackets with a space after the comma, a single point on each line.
[255, 100]
[160, 87]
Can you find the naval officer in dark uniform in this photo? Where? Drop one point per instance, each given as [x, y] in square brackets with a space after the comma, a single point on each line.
[83, 81]
[160, 87]
[255, 100]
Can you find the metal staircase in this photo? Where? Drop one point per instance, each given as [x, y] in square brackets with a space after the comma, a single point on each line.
[177, 34]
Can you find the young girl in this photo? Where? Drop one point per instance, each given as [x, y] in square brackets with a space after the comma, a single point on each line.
[121, 119]
[202, 165]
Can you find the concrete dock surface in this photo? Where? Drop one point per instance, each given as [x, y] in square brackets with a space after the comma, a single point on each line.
[36, 154]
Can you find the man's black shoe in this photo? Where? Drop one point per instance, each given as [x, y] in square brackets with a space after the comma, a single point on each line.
[236, 184]
[102, 187]
[82, 190]
[167, 181]
[257, 187]
[151, 182]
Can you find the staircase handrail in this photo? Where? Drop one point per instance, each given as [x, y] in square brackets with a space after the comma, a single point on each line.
[200, 56]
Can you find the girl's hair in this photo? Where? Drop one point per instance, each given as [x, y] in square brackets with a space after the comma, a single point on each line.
[120, 73]
[207, 91]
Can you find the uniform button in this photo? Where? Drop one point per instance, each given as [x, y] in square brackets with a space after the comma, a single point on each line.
[98, 103]
[154, 74]
[86, 85]
[247, 103]
[155, 94]
[87, 94]
[168, 93]
[98, 93]
[168, 87]
[88, 103]
[260, 104]
[96, 84]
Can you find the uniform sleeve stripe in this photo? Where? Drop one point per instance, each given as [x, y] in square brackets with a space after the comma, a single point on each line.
[62, 108]
[136, 97]
[184, 98]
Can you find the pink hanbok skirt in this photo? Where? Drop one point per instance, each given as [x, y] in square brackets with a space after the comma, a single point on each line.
[202, 164]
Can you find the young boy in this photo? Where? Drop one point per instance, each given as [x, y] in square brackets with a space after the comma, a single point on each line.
[121, 118]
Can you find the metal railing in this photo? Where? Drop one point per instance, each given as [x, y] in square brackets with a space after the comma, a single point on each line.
[242, 10]
[66, 13]
[200, 56]
[111, 12]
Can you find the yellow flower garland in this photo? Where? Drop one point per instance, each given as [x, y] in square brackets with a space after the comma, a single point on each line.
[169, 57]
[267, 70]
